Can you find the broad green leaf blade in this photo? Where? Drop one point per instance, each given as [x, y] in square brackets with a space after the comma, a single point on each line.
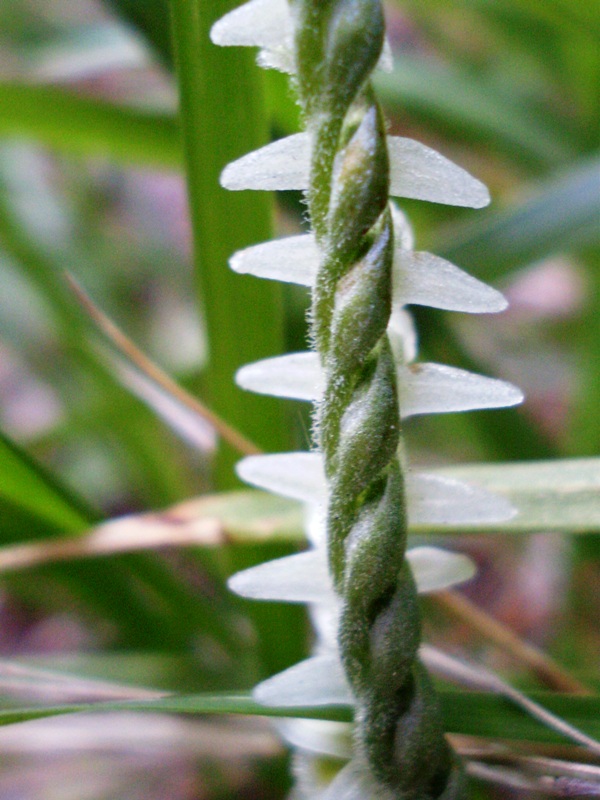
[563, 216]
[86, 126]
[207, 522]
[561, 496]
[468, 713]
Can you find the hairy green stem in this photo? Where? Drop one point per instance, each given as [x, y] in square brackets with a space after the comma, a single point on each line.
[338, 44]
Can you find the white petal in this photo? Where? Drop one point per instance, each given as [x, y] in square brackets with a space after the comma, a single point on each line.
[301, 578]
[428, 280]
[355, 782]
[296, 375]
[318, 736]
[386, 59]
[438, 389]
[318, 681]
[402, 334]
[299, 476]
[421, 173]
[314, 524]
[419, 278]
[424, 388]
[435, 569]
[404, 238]
[280, 58]
[259, 23]
[325, 619]
[417, 171]
[437, 500]
[269, 24]
[294, 259]
[284, 164]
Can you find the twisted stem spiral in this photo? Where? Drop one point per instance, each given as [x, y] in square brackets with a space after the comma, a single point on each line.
[337, 46]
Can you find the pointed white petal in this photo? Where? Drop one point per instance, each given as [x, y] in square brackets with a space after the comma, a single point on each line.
[439, 389]
[417, 171]
[428, 280]
[284, 164]
[402, 334]
[296, 375]
[421, 173]
[294, 259]
[355, 782]
[325, 619]
[404, 237]
[437, 500]
[435, 569]
[279, 58]
[259, 23]
[318, 681]
[386, 59]
[299, 476]
[301, 578]
[314, 524]
[318, 736]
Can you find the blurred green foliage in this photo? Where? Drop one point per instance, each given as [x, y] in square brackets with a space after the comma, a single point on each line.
[507, 88]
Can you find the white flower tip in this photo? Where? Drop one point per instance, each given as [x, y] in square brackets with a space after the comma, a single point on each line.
[428, 280]
[498, 304]
[439, 500]
[296, 375]
[283, 164]
[318, 681]
[440, 389]
[435, 569]
[218, 32]
[258, 23]
[301, 578]
[386, 59]
[294, 259]
[299, 476]
[421, 173]
[480, 197]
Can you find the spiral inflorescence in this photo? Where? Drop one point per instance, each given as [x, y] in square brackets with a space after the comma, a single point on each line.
[338, 44]
[361, 593]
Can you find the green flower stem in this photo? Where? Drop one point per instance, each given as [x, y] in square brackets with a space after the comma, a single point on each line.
[338, 44]
[221, 98]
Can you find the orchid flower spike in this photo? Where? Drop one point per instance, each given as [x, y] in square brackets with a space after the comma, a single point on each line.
[358, 578]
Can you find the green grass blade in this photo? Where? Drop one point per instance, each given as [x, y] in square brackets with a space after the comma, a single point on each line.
[461, 102]
[75, 124]
[150, 18]
[33, 504]
[562, 216]
[222, 112]
[468, 713]
[25, 484]
[222, 117]
[561, 495]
